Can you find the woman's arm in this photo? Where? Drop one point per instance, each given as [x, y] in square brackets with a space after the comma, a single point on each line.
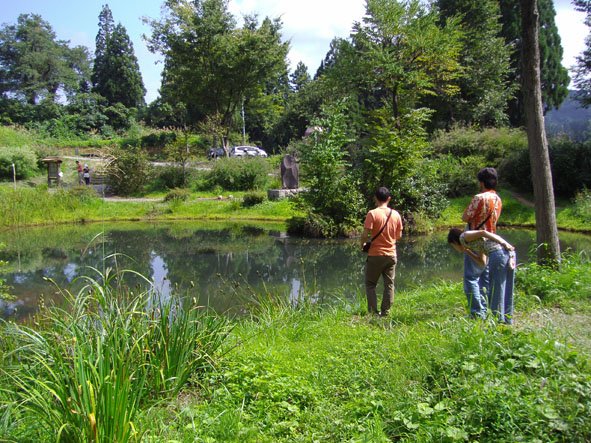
[475, 235]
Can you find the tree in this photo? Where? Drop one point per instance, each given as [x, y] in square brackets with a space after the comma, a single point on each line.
[34, 65]
[116, 73]
[300, 77]
[546, 230]
[554, 77]
[211, 65]
[484, 84]
[582, 69]
[404, 55]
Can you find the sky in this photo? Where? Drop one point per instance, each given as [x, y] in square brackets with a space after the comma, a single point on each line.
[310, 25]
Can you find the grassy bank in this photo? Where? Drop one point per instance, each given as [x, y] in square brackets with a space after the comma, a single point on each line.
[37, 206]
[29, 207]
[303, 372]
[515, 214]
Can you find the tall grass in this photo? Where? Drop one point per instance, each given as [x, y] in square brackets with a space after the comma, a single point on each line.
[81, 373]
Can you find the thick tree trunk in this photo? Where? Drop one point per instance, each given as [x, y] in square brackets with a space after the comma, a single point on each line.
[546, 230]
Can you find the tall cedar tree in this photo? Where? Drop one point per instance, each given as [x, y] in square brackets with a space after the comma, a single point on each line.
[484, 86]
[582, 69]
[554, 76]
[546, 229]
[34, 65]
[116, 73]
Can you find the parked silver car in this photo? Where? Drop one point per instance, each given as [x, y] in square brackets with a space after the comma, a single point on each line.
[247, 151]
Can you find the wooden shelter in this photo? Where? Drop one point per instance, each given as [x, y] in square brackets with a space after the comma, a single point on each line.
[54, 173]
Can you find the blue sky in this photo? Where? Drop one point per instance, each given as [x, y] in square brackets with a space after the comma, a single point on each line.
[309, 24]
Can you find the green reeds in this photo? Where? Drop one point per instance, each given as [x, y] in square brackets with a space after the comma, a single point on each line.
[82, 372]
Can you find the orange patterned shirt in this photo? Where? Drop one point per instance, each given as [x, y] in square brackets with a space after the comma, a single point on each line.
[480, 207]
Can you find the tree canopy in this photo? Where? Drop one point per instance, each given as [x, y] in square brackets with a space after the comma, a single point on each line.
[211, 65]
[35, 66]
[116, 73]
[582, 69]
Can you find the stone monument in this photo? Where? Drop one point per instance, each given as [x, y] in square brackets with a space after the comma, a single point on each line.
[289, 173]
[290, 181]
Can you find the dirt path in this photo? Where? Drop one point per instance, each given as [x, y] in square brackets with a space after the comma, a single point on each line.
[140, 200]
[524, 200]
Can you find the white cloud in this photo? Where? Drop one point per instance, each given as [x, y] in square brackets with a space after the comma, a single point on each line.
[572, 30]
[310, 25]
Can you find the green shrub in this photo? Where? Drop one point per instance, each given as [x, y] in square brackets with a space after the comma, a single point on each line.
[127, 170]
[82, 193]
[238, 174]
[493, 144]
[23, 158]
[582, 207]
[166, 177]
[252, 198]
[459, 173]
[177, 194]
[84, 373]
[570, 161]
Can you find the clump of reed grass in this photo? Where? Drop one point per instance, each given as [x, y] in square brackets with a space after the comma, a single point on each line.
[81, 373]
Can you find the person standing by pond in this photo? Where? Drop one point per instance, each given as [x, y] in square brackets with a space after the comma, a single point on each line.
[483, 213]
[477, 245]
[86, 174]
[385, 227]
[79, 170]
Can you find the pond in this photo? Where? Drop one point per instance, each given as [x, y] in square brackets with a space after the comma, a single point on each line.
[218, 263]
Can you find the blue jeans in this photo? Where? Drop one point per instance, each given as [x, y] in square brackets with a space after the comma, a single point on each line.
[502, 279]
[475, 279]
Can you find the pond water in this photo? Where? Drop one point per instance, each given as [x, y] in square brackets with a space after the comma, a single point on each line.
[223, 261]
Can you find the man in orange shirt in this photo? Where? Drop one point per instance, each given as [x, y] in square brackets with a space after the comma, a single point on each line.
[385, 227]
[482, 213]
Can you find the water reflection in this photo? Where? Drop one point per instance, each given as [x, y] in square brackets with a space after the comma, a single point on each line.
[219, 264]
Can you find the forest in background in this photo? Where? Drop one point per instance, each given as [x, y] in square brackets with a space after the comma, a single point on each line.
[418, 98]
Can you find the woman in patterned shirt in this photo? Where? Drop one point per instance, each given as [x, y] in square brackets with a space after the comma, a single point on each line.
[478, 245]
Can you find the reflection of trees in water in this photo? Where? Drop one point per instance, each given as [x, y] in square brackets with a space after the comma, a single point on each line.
[224, 263]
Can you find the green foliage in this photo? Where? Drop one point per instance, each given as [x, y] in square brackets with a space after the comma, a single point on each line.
[211, 65]
[493, 144]
[240, 174]
[34, 66]
[459, 174]
[582, 69]
[253, 198]
[177, 194]
[402, 52]
[484, 86]
[82, 193]
[165, 177]
[583, 205]
[396, 158]
[333, 201]
[422, 374]
[127, 170]
[84, 373]
[23, 158]
[556, 286]
[554, 76]
[116, 74]
[569, 160]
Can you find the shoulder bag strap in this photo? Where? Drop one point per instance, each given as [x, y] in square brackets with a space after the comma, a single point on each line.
[491, 213]
[378, 234]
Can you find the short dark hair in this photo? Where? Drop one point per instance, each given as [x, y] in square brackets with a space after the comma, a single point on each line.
[489, 177]
[382, 194]
[454, 236]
